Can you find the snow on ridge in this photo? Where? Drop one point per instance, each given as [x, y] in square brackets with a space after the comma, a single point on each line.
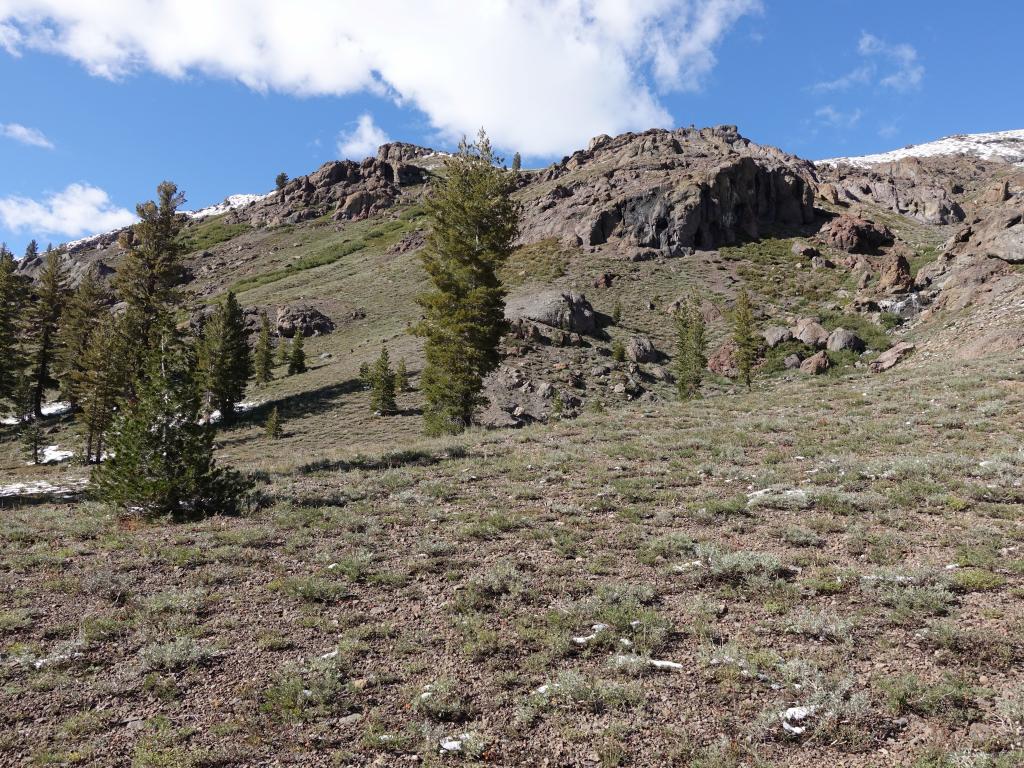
[230, 203]
[1003, 146]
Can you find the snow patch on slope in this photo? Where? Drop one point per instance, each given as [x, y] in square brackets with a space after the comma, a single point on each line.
[1001, 146]
[230, 203]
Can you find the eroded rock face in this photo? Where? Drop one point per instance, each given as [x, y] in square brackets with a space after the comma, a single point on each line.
[303, 319]
[668, 191]
[559, 309]
[853, 235]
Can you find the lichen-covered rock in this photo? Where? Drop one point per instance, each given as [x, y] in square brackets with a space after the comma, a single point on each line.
[723, 361]
[556, 308]
[304, 319]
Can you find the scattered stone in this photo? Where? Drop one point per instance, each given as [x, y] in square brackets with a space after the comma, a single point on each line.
[815, 364]
[639, 349]
[841, 339]
[820, 262]
[794, 719]
[604, 280]
[791, 361]
[810, 332]
[775, 335]
[892, 356]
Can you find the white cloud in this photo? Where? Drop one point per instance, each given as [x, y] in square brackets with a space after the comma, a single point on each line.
[907, 75]
[909, 71]
[25, 135]
[541, 75]
[79, 209]
[362, 141]
[835, 118]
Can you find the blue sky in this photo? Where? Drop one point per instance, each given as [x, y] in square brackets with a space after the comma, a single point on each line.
[99, 104]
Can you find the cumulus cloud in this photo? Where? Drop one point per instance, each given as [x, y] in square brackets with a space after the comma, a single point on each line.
[909, 71]
[362, 141]
[541, 75]
[835, 118]
[25, 135]
[890, 65]
[79, 209]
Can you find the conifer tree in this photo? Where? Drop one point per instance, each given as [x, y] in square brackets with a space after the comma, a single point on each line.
[30, 432]
[366, 376]
[691, 349]
[264, 357]
[44, 319]
[225, 363]
[382, 395]
[743, 336]
[475, 224]
[280, 181]
[150, 269]
[84, 312]
[273, 427]
[401, 377]
[283, 351]
[31, 250]
[102, 381]
[11, 303]
[517, 162]
[161, 457]
[297, 356]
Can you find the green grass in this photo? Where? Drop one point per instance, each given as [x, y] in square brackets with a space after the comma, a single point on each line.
[210, 232]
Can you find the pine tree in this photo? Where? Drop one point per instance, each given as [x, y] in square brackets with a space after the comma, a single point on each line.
[161, 457]
[618, 351]
[297, 356]
[273, 427]
[283, 351]
[30, 432]
[150, 269]
[743, 336]
[401, 377]
[44, 319]
[84, 312]
[517, 162]
[31, 250]
[691, 350]
[382, 395]
[225, 363]
[264, 357]
[280, 181]
[12, 297]
[475, 224]
[365, 376]
[102, 381]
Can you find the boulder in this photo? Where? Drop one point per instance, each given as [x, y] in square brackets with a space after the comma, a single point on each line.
[895, 276]
[815, 364]
[892, 356]
[810, 332]
[820, 262]
[775, 335]
[558, 309]
[791, 361]
[723, 361]
[854, 235]
[604, 280]
[804, 251]
[841, 339]
[304, 319]
[639, 349]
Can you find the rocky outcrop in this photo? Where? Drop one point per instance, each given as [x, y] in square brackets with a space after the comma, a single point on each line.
[895, 275]
[775, 335]
[304, 319]
[669, 191]
[853, 235]
[892, 356]
[566, 310]
[816, 364]
[514, 399]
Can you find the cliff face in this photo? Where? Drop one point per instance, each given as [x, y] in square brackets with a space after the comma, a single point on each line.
[668, 191]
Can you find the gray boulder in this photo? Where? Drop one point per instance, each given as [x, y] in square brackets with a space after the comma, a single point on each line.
[639, 349]
[775, 335]
[841, 339]
[304, 319]
[811, 332]
[559, 309]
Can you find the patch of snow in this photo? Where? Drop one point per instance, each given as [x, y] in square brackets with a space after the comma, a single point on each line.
[329, 655]
[52, 454]
[1002, 146]
[624, 659]
[40, 488]
[584, 639]
[242, 407]
[58, 408]
[230, 203]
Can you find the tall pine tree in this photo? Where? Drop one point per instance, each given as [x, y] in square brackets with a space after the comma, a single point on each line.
[161, 457]
[150, 269]
[11, 303]
[382, 391]
[691, 349]
[297, 355]
[100, 384]
[264, 357]
[225, 363]
[475, 223]
[743, 336]
[85, 310]
[44, 319]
